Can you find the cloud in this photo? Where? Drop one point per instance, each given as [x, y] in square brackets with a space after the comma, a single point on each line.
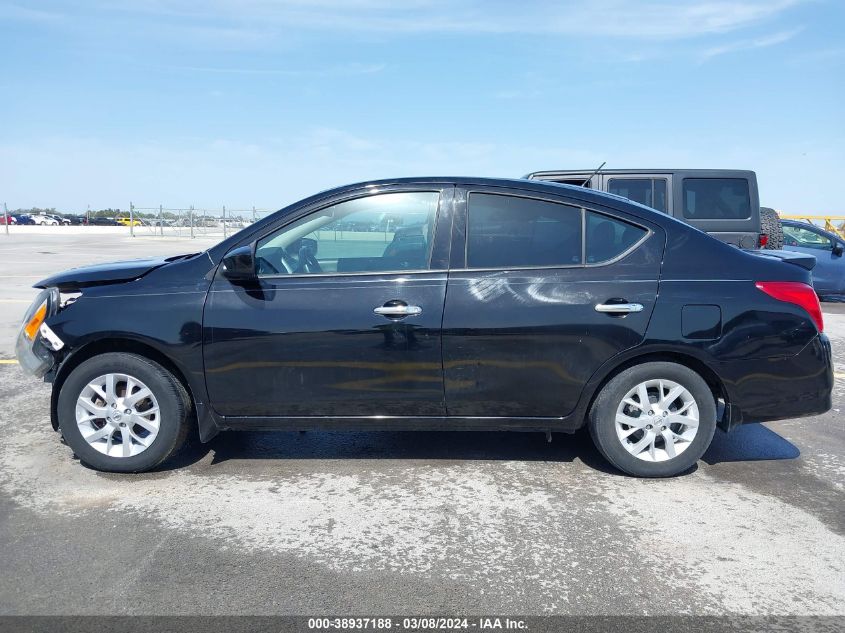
[742, 45]
[71, 172]
[270, 172]
[350, 69]
[16, 12]
[254, 20]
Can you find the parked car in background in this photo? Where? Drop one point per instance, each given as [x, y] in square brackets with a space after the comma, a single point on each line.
[61, 220]
[75, 220]
[44, 219]
[7, 218]
[722, 202]
[23, 219]
[828, 249]
[501, 304]
[97, 221]
[128, 221]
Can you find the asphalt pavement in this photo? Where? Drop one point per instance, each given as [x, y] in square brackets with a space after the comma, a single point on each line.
[400, 522]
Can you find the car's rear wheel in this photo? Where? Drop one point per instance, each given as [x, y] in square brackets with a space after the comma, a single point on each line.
[654, 419]
[123, 413]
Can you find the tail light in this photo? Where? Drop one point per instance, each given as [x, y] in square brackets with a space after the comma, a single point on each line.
[764, 239]
[798, 293]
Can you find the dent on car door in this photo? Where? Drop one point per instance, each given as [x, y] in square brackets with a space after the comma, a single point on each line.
[533, 303]
[344, 317]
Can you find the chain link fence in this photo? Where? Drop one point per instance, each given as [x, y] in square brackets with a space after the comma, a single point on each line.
[191, 221]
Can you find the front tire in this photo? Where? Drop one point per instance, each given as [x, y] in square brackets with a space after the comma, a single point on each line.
[653, 420]
[122, 412]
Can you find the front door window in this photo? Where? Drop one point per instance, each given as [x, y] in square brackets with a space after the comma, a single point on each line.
[390, 232]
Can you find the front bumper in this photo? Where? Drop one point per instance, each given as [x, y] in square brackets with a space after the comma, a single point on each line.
[781, 388]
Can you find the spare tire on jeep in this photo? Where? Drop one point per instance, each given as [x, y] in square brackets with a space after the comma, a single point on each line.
[771, 226]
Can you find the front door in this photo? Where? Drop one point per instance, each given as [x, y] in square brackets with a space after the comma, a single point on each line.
[533, 306]
[344, 318]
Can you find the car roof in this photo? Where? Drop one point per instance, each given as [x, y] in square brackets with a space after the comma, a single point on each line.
[540, 186]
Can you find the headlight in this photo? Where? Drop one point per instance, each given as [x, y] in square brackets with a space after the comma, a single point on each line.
[30, 327]
[36, 339]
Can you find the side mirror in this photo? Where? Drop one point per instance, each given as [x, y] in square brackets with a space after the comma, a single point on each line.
[837, 249]
[239, 264]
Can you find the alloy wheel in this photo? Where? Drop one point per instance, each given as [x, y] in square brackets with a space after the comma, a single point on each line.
[657, 420]
[118, 415]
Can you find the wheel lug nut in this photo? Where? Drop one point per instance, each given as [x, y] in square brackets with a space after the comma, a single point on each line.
[123, 424]
[662, 428]
[650, 412]
[128, 411]
[648, 426]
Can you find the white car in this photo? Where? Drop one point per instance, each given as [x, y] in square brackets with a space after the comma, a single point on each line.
[62, 221]
[44, 220]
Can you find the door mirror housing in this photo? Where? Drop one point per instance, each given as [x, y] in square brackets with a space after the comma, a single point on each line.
[837, 249]
[239, 264]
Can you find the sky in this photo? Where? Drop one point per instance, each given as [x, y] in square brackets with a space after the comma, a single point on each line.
[261, 102]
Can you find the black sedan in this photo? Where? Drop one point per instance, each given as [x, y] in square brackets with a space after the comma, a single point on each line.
[98, 221]
[487, 304]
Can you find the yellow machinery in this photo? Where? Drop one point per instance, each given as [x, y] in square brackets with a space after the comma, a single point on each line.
[818, 219]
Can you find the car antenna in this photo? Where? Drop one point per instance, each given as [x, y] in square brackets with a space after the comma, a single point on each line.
[587, 182]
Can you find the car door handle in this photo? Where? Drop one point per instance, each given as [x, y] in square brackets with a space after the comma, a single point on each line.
[619, 308]
[395, 309]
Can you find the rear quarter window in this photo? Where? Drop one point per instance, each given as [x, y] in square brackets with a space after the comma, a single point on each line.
[607, 238]
[716, 199]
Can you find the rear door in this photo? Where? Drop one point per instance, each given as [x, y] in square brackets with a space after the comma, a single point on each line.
[533, 303]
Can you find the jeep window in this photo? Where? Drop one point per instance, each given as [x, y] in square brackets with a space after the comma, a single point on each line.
[648, 191]
[716, 199]
[511, 232]
[608, 237]
[578, 182]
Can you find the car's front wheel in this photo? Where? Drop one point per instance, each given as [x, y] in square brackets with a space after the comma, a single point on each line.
[654, 419]
[123, 413]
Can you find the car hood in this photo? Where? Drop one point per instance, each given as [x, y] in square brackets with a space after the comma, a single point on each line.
[99, 274]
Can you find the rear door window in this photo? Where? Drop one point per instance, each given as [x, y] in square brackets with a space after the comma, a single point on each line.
[512, 232]
[797, 236]
[608, 238]
[716, 199]
[648, 191]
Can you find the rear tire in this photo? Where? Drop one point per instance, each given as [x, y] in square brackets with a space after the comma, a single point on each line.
[112, 431]
[771, 226]
[646, 442]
